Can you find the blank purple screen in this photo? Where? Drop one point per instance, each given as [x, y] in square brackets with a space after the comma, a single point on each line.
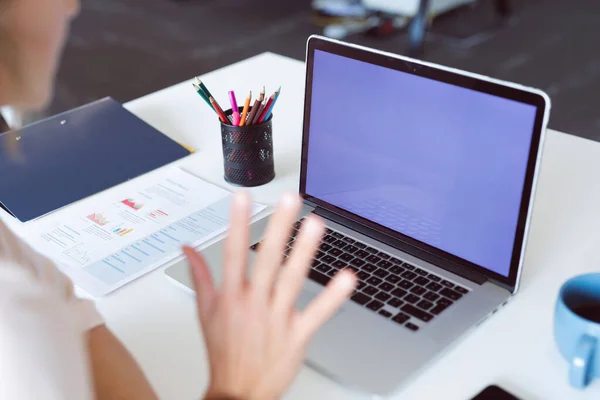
[440, 163]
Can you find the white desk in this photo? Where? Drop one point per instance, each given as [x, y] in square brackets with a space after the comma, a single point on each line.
[515, 348]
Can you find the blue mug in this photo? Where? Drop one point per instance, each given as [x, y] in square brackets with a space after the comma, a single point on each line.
[577, 327]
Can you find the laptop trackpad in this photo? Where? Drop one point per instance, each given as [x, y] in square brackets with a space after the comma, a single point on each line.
[307, 296]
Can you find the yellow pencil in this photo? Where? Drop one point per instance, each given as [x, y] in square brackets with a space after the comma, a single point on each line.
[246, 108]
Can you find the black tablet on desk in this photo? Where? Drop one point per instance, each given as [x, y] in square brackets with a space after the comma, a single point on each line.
[68, 157]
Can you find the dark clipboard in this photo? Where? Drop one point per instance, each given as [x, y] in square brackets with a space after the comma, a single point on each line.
[60, 160]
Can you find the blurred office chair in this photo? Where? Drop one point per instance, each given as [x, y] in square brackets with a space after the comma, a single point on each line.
[383, 17]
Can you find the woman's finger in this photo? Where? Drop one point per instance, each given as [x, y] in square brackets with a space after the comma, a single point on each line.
[203, 282]
[321, 309]
[270, 253]
[294, 274]
[236, 245]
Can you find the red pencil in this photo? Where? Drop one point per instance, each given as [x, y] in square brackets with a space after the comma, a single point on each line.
[219, 111]
[266, 109]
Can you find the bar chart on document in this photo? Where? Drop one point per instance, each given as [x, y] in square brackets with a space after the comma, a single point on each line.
[129, 230]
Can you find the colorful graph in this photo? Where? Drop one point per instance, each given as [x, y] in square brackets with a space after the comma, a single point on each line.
[158, 214]
[133, 204]
[98, 218]
[122, 231]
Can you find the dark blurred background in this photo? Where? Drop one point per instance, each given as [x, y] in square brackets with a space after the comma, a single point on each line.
[128, 48]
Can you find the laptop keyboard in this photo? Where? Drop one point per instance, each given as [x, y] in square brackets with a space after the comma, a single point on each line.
[395, 290]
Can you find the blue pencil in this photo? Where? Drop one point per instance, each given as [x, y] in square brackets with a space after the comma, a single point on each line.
[273, 105]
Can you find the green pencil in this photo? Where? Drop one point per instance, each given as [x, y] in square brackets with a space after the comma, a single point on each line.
[204, 88]
[203, 95]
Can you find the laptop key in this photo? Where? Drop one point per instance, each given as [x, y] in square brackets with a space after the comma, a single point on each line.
[361, 253]
[412, 327]
[448, 284]
[360, 245]
[348, 240]
[335, 252]
[399, 292]
[358, 262]
[371, 250]
[395, 260]
[384, 264]
[373, 259]
[338, 235]
[434, 278]
[408, 266]
[393, 279]
[361, 285]
[386, 314]
[329, 239]
[319, 277]
[424, 305]
[325, 247]
[406, 284]
[382, 273]
[370, 290]
[328, 259]
[451, 294]
[340, 244]
[411, 298]
[351, 249]
[360, 298]
[421, 281]
[386, 286]
[421, 272]
[374, 281]
[409, 275]
[401, 318]
[444, 302]
[339, 264]
[431, 296]
[323, 268]
[396, 270]
[363, 276]
[375, 305]
[418, 290]
[369, 267]
[332, 271]
[417, 313]
[437, 310]
[461, 290]
[346, 257]
[395, 302]
[434, 287]
[328, 231]
[383, 255]
[382, 296]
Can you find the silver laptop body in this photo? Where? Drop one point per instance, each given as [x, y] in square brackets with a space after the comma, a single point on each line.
[380, 339]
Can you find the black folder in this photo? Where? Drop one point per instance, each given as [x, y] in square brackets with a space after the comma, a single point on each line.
[68, 157]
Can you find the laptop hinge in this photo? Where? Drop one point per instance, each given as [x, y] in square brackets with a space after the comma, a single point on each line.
[402, 246]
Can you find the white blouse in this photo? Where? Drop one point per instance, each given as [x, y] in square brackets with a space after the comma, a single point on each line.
[43, 347]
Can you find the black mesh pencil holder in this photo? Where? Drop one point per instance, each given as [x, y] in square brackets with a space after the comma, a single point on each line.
[248, 153]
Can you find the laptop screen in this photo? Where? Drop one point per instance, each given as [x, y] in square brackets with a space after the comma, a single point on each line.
[440, 163]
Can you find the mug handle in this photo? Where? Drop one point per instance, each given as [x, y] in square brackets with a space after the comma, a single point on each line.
[579, 374]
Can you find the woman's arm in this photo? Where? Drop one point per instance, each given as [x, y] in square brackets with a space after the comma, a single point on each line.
[116, 375]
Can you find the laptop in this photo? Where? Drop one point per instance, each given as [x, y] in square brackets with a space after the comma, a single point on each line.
[425, 177]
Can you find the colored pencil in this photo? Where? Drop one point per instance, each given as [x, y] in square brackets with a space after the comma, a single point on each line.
[273, 105]
[219, 111]
[253, 112]
[204, 88]
[268, 105]
[203, 95]
[235, 110]
[256, 108]
[246, 108]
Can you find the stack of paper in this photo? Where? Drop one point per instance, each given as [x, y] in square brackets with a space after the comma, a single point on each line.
[123, 233]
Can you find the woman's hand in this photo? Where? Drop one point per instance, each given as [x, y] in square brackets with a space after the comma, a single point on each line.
[255, 336]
